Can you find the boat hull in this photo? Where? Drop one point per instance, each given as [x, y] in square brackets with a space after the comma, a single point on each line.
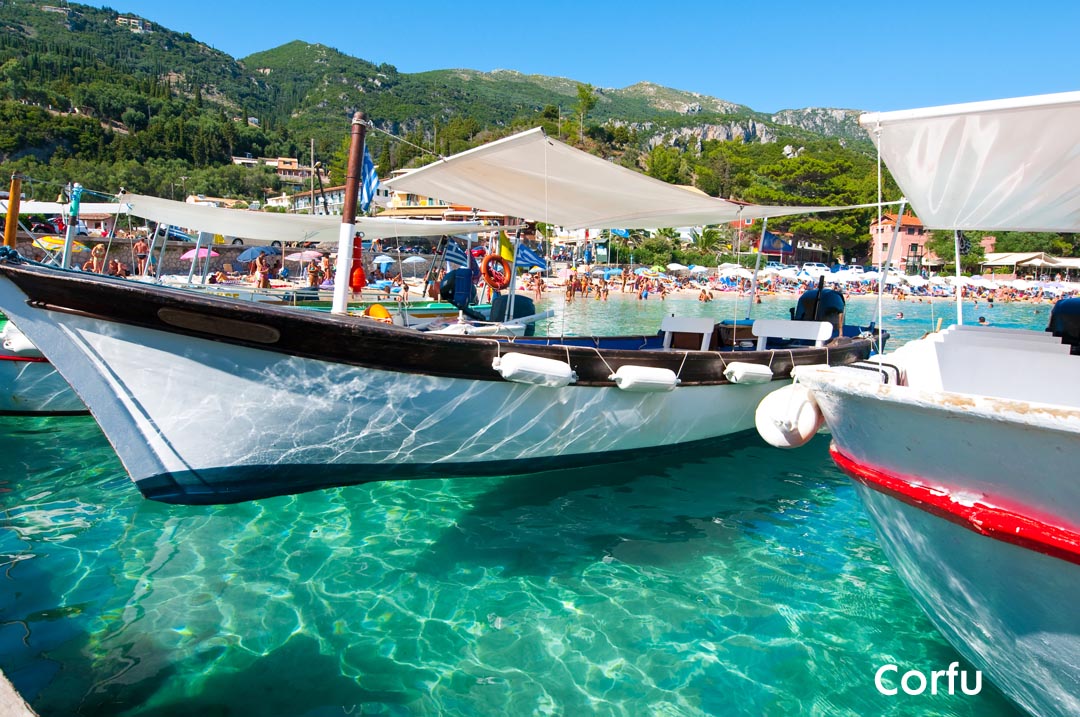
[208, 400]
[976, 502]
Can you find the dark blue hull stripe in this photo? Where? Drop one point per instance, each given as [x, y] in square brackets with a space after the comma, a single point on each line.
[234, 485]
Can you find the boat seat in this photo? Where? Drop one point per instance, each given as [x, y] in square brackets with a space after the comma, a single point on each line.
[964, 333]
[1006, 339]
[688, 333]
[1021, 374]
[817, 331]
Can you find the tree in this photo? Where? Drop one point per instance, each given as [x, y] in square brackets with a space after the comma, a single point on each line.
[665, 163]
[1033, 241]
[586, 101]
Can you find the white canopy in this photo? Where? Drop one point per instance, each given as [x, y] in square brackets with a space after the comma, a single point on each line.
[266, 227]
[1000, 165]
[531, 176]
[33, 207]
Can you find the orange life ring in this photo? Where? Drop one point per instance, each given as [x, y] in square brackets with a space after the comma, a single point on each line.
[497, 280]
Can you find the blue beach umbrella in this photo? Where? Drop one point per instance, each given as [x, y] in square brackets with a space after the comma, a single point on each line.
[251, 253]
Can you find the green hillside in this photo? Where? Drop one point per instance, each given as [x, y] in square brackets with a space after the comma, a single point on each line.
[109, 100]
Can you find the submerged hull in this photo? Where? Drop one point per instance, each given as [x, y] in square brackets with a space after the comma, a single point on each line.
[977, 505]
[211, 400]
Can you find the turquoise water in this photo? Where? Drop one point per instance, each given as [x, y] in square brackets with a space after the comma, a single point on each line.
[738, 579]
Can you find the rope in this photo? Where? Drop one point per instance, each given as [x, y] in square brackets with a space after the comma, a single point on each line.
[371, 125]
[678, 373]
[11, 255]
[611, 371]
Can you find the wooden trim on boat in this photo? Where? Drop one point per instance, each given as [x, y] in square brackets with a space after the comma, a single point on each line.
[1009, 525]
[361, 342]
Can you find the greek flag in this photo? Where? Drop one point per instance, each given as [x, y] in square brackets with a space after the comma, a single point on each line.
[369, 182]
[455, 254]
[528, 257]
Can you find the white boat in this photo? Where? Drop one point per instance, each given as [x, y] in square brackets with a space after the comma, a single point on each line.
[207, 399]
[29, 384]
[965, 445]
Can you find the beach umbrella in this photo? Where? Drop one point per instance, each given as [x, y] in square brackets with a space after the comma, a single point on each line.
[845, 275]
[306, 255]
[56, 243]
[597, 272]
[657, 268]
[202, 253]
[675, 266]
[414, 260]
[916, 280]
[536, 270]
[252, 252]
[382, 259]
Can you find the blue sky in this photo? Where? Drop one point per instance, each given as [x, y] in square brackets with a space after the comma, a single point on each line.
[767, 55]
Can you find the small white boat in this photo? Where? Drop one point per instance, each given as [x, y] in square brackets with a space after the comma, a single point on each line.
[29, 384]
[965, 445]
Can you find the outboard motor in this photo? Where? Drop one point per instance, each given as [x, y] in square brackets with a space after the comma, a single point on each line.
[821, 305]
[523, 306]
[457, 288]
[1065, 323]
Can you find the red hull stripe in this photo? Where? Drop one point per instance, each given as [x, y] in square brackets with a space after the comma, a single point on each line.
[1004, 524]
[24, 359]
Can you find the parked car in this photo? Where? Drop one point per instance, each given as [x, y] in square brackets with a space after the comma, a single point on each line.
[43, 228]
[815, 267]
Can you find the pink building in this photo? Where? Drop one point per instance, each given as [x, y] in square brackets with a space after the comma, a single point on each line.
[911, 252]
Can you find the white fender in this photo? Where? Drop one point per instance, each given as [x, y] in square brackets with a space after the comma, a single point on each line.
[788, 417]
[747, 373]
[535, 370]
[644, 379]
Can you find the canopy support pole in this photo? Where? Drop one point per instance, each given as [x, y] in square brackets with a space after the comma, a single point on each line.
[348, 216]
[959, 286]
[757, 267]
[885, 268]
[512, 288]
[73, 225]
[195, 259]
[11, 226]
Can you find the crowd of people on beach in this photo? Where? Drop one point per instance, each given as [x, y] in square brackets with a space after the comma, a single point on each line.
[600, 283]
